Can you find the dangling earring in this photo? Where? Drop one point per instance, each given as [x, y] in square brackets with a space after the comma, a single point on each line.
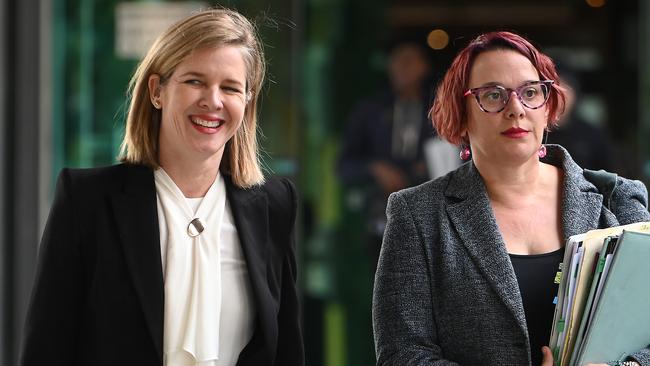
[541, 152]
[465, 153]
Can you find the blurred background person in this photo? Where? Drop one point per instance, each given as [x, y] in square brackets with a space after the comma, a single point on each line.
[382, 149]
[589, 144]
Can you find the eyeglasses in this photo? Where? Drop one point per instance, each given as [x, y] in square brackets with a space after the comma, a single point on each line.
[494, 98]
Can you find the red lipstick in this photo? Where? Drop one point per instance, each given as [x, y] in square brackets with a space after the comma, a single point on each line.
[208, 124]
[514, 132]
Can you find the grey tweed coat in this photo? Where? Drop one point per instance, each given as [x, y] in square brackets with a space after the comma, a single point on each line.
[445, 290]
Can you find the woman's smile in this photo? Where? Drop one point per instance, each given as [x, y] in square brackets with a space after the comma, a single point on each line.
[207, 124]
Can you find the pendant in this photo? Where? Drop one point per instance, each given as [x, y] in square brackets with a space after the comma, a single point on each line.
[195, 227]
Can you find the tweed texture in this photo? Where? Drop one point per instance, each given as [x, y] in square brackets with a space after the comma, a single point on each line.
[445, 290]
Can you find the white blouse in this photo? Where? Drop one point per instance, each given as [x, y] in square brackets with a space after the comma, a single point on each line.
[209, 309]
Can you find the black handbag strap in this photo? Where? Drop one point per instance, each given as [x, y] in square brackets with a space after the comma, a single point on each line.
[605, 182]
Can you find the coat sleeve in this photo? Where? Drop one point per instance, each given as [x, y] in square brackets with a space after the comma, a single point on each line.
[642, 356]
[630, 201]
[51, 329]
[290, 350]
[403, 321]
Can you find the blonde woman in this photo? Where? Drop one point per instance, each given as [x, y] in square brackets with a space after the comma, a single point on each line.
[184, 253]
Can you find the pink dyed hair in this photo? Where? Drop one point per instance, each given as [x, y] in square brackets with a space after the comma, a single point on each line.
[448, 113]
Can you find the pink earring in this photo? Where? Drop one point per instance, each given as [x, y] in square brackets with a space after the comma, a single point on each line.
[541, 152]
[465, 153]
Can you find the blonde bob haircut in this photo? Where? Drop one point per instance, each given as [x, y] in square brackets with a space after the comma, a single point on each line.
[211, 28]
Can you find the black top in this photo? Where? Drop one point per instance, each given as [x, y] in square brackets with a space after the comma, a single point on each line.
[536, 276]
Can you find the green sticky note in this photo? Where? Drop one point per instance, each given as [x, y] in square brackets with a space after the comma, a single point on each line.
[601, 265]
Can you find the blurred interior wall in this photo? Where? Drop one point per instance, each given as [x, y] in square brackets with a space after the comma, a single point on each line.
[3, 153]
[20, 136]
[644, 88]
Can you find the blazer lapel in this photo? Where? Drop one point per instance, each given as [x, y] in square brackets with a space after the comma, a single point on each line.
[474, 221]
[580, 209]
[581, 202]
[250, 212]
[136, 215]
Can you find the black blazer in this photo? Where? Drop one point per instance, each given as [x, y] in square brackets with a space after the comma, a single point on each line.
[98, 294]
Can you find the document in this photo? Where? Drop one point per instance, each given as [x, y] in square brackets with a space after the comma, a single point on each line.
[569, 264]
[621, 320]
[589, 262]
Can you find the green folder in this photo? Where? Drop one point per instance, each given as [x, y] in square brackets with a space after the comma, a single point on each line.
[591, 303]
[621, 319]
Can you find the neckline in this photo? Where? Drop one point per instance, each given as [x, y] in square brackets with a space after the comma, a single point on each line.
[538, 255]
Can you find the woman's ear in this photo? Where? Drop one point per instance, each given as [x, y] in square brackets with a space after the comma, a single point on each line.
[154, 90]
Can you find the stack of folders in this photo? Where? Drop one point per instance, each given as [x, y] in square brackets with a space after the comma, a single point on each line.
[602, 310]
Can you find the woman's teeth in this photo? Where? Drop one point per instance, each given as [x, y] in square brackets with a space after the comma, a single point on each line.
[204, 123]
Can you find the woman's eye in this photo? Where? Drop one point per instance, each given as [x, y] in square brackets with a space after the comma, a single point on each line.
[530, 93]
[192, 82]
[232, 89]
[492, 95]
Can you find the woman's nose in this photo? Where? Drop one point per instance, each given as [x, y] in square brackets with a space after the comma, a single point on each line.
[514, 108]
[212, 98]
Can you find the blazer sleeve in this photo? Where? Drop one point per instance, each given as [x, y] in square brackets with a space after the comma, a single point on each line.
[51, 329]
[290, 350]
[403, 321]
[630, 201]
[642, 356]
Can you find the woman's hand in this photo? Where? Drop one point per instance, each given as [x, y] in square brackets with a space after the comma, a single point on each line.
[547, 359]
[547, 356]
[389, 177]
